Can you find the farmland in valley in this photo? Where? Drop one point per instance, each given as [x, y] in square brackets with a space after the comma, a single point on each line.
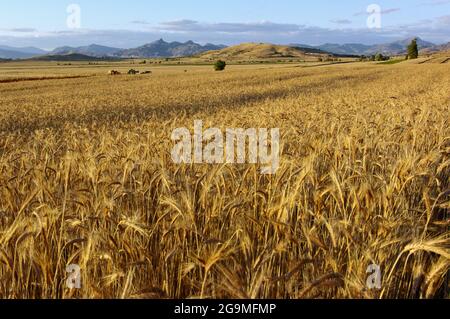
[87, 178]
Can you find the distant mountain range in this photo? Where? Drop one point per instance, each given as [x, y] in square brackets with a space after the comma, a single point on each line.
[393, 48]
[155, 49]
[93, 50]
[7, 52]
[162, 48]
[437, 48]
[165, 49]
[68, 57]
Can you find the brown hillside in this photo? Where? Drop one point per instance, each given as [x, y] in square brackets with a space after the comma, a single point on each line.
[248, 51]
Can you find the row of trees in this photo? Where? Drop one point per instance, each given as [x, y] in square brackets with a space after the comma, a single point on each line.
[412, 53]
[375, 57]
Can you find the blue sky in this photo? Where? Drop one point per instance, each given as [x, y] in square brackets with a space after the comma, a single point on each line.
[134, 22]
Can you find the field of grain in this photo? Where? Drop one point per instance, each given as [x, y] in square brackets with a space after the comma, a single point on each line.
[87, 178]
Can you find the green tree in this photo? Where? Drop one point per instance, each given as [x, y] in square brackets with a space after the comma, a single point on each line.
[379, 57]
[413, 50]
[220, 65]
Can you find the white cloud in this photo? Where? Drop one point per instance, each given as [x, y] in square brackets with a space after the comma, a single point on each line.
[386, 11]
[444, 20]
[341, 21]
[227, 27]
[435, 3]
[140, 22]
[435, 30]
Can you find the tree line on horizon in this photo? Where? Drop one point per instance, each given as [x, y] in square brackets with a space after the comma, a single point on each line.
[412, 53]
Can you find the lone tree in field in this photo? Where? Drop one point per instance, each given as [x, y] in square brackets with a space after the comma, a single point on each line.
[220, 65]
[379, 57]
[413, 50]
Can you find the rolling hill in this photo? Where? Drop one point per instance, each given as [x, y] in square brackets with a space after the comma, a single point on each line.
[68, 57]
[438, 48]
[94, 50]
[248, 51]
[161, 49]
[392, 48]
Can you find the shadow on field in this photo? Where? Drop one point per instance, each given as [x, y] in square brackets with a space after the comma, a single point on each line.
[122, 115]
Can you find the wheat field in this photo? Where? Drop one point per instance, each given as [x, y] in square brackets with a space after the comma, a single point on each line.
[87, 178]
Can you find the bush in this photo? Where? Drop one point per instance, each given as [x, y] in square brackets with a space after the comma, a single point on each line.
[220, 65]
[380, 57]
